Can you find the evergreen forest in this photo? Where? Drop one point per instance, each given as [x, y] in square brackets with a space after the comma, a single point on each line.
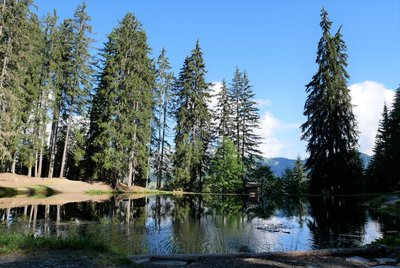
[120, 116]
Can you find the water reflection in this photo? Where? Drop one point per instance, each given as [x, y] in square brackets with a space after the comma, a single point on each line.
[205, 223]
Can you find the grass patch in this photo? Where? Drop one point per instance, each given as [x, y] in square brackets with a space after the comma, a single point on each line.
[8, 192]
[392, 209]
[390, 241]
[34, 191]
[22, 243]
[102, 192]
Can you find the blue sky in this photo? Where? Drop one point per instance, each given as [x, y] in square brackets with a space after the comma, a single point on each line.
[275, 42]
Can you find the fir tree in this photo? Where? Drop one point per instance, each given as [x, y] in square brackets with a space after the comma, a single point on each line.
[377, 169]
[226, 169]
[223, 113]
[330, 129]
[245, 121]
[122, 107]
[193, 124]
[77, 70]
[163, 104]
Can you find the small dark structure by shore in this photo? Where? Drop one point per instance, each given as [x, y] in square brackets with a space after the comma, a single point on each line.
[253, 190]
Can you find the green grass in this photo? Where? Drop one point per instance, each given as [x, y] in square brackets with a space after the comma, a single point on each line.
[8, 192]
[390, 241]
[34, 191]
[22, 243]
[101, 192]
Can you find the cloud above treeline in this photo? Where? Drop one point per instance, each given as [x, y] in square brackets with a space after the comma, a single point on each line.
[368, 98]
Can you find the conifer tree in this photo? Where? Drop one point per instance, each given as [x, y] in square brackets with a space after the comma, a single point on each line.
[245, 121]
[392, 180]
[163, 104]
[330, 129]
[77, 70]
[223, 113]
[377, 169]
[226, 169]
[122, 109]
[15, 24]
[193, 124]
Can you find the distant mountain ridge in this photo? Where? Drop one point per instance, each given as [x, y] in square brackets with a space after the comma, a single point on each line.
[279, 164]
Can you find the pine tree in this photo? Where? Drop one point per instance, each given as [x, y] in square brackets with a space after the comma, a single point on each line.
[15, 25]
[377, 169]
[77, 70]
[245, 122]
[223, 113]
[163, 104]
[295, 179]
[330, 129]
[193, 124]
[392, 181]
[122, 109]
[226, 169]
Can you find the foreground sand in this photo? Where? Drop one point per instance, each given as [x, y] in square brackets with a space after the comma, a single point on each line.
[65, 190]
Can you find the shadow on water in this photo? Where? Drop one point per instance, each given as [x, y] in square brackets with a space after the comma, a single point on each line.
[165, 224]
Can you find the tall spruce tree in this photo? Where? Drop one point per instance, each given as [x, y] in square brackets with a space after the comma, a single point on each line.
[193, 124]
[162, 107]
[245, 121]
[16, 21]
[377, 168]
[223, 113]
[383, 171]
[330, 129]
[122, 109]
[77, 71]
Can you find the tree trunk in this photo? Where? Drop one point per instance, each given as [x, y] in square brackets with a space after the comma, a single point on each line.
[53, 143]
[159, 156]
[14, 163]
[30, 171]
[39, 174]
[64, 155]
[130, 168]
[36, 164]
[3, 8]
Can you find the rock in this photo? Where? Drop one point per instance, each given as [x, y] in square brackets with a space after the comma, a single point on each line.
[385, 266]
[144, 260]
[385, 260]
[168, 263]
[359, 260]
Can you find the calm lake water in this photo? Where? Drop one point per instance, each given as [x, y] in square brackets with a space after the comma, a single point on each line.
[167, 224]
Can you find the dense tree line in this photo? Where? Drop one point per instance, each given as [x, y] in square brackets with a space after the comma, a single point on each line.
[127, 121]
[121, 116]
[383, 172]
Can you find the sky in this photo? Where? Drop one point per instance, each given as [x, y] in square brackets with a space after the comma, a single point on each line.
[275, 42]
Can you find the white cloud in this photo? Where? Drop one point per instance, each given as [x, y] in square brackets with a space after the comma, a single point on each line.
[271, 145]
[215, 89]
[261, 103]
[368, 98]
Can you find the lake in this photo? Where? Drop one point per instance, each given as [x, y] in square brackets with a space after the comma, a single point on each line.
[166, 224]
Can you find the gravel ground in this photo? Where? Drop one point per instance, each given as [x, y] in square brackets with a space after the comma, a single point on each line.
[75, 259]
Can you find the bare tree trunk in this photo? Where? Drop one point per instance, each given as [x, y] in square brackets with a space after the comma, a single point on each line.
[36, 164]
[39, 174]
[160, 142]
[53, 141]
[13, 163]
[30, 171]
[5, 62]
[130, 167]
[3, 9]
[64, 155]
